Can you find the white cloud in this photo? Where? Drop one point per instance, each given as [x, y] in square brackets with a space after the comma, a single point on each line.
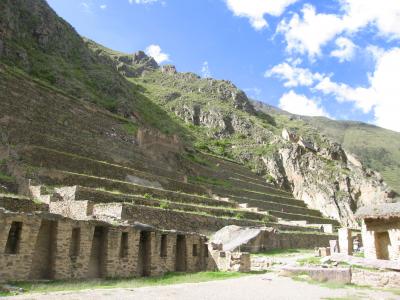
[309, 33]
[382, 95]
[301, 105]
[363, 98]
[384, 14]
[143, 1]
[255, 10]
[205, 70]
[156, 52]
[385, 87]
[345, 49]
[306, 34]
[86, 7]
[293, 76]
[103, 6]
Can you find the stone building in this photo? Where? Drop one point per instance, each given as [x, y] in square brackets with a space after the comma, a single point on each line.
[259, 239]
[381, 231]
[42, 245]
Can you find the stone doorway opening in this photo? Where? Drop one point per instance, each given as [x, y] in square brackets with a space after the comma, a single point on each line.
[180, 260]
[144, 259]
[44, 252]
[97, 253]
[382, 243]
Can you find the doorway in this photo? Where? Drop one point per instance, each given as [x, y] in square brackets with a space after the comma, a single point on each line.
[180, 260]
[97, 253]
[144, 259]
[44, 252]
[382, 243]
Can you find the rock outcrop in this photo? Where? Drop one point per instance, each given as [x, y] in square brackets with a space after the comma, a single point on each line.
[334, 187]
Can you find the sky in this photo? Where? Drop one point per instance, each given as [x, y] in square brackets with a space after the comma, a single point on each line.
[333, 58]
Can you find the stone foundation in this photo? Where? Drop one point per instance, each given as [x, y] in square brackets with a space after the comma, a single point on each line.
[37, 246]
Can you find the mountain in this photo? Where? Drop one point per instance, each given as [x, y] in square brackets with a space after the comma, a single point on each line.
[377, 148]
[224, 122]
[77, 113]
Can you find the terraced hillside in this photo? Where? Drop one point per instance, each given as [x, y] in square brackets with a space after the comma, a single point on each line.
[151, 144]
[79, 144]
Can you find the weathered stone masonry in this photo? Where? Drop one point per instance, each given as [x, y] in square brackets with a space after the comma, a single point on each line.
[41, 245]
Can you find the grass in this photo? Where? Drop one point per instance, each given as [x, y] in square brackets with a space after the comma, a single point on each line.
[210, 180]
[167, 279]
[359, 254]
[309, 261]
[6, 178]
[284, 252]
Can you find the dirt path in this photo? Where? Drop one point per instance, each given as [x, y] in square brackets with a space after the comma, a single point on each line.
[268, 286]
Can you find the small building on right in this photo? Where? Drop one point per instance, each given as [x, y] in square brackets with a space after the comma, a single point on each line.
[381, 231]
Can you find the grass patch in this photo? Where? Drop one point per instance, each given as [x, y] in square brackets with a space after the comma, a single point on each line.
[167, 279]
[309, 261]
[359, 254]
[284, 252]
[131, 128]
[210, 180]
[6, 178]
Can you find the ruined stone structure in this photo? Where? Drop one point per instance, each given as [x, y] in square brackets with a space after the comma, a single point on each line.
[345, 241]
[381, 231]
[254, 240]
[41, 245]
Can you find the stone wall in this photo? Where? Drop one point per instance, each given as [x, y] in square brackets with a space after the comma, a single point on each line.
[45, 248]
[379, 279]
[381, 238]
[271, 239]
[21, 204]
[167, 219]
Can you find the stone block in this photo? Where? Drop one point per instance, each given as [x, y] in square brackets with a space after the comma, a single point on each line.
[345, 241]
[334, 246]
[334, 275]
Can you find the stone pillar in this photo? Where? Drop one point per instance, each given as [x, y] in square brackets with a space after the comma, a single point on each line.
[334, 246]
[345, 241]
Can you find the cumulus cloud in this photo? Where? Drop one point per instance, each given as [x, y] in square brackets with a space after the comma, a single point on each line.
[381, 97]
[293, 76]
[205, 70]
[362, 97]
[307, 34]
[345, 49]
[156, 52]
[103, 6]
[310, 31]
[143, 1]
[255, 10]
[301, 105]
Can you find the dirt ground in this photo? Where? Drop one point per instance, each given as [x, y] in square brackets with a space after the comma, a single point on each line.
[267, 286]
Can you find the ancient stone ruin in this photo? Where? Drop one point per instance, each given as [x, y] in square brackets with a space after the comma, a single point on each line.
[40, 245]
[381, 231]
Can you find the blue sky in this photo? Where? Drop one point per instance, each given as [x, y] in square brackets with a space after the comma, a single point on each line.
[337, 58]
